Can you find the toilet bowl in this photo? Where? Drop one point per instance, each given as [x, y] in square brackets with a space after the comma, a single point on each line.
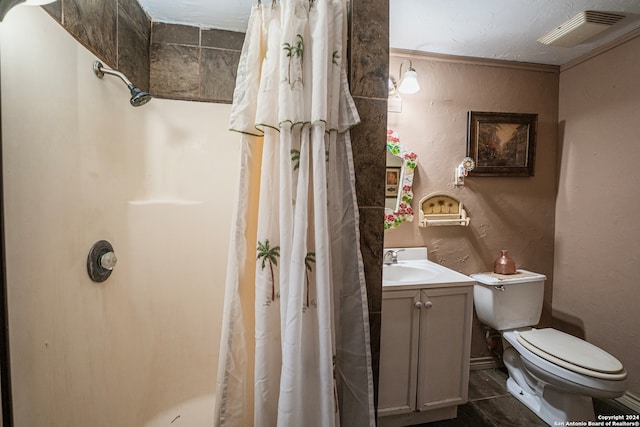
[560, 389]
[554, 374]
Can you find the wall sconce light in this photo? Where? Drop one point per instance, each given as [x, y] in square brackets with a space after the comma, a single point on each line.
[462, 170]
[6, 5]
[407, 83]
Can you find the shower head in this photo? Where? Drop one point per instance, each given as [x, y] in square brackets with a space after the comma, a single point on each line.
[138, 97]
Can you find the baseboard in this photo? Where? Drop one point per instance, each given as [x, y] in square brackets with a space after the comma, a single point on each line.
[484, 363]
[631, 401]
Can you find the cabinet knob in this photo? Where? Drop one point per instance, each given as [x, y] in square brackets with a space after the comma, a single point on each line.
[428, 304]
[417, 304]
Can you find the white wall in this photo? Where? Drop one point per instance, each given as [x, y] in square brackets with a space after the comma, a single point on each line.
[158, 182]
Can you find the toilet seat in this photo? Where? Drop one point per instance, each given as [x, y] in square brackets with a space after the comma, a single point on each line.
[572, 353]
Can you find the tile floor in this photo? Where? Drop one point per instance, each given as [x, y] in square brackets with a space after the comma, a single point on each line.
[491, 405]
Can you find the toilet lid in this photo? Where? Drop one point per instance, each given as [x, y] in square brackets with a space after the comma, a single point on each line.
[572, 353]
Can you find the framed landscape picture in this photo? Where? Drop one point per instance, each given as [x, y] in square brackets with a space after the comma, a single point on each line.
[502, 144]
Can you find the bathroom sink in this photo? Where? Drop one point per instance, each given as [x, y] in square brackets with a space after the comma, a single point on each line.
[403, 272]
[413, 269]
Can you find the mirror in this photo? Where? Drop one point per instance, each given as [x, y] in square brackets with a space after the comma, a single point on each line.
[401, 164]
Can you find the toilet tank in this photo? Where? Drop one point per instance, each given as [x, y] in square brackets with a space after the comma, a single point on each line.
[508, 302]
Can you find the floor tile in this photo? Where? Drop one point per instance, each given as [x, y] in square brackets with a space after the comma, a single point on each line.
[610, 407]
[507, 411]
[499, 375]
[468, 416]
[484, 383]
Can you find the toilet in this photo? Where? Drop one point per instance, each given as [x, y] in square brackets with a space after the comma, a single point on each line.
[554, 374]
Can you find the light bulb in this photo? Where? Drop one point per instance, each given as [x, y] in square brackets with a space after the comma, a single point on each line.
[409, 83]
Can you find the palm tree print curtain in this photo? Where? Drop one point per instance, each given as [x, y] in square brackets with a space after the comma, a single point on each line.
[295, 344]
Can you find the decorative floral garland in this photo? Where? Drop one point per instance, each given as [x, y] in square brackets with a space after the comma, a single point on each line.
[410, 161]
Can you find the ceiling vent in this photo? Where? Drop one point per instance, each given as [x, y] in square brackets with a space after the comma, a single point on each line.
[581, 27]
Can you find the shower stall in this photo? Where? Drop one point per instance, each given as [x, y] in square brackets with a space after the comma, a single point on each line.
[79, 166]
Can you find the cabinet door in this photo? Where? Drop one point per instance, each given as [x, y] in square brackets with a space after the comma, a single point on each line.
[398, 352]
[445, 341]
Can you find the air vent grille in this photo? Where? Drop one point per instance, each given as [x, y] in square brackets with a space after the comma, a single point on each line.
[604, 18]
[580, 28]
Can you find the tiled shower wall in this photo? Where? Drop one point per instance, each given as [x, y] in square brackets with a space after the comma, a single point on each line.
[189, 63]
[116, 31]
[368, 76]
[169, 60]
[194, 64]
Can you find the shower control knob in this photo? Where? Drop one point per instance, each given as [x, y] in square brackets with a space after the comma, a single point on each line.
[108, 260]
[417, 305]
[101, 261]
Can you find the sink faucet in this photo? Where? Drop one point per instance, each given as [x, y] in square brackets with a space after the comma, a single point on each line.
[391, 256]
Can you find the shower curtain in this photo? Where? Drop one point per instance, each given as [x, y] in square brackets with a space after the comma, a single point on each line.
[295, 340]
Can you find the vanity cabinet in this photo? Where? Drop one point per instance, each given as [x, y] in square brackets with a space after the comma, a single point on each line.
[424, 353]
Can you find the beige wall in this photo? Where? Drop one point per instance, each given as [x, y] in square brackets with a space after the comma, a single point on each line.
[81, 165]
[597, 255]
[516, 214]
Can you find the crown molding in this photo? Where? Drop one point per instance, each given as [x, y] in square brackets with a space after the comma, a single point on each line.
[441, 57]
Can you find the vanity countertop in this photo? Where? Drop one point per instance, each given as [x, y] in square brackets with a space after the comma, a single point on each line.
[414, 271]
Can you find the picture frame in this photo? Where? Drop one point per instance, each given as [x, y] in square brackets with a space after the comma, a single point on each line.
[502, 144]
[392, 181]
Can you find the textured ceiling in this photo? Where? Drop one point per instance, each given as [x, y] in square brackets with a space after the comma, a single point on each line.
[222, 14]
[497, 29]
